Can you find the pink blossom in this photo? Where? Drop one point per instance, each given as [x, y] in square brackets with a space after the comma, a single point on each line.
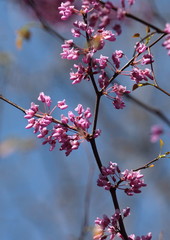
[138, 74]
[129, 181]
[66, 10]
[156, 132]
[118, 103]
[147, 237]
[31, 123]
[34, 107]
[70, 54]
[134, 181]
[67, 44]
[64, 119]
[79, 109]
[97, 133]
[45, 99]
[108, 35]
[116, 57]
[60, 132]
[126, 212]
[167, 28]
[103, 79]
[108, 227]
[166, 43]
[62, 104]
[76, 32]
[119, 89]
[29, 113]
[78, 76]
[43, 132]
[102, 61]
[121, 13]
[147, 59]
[140, 47]
[80, 25]
[45, 120]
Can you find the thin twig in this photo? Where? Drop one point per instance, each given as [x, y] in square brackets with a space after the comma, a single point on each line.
[149, 164]
[150, 109]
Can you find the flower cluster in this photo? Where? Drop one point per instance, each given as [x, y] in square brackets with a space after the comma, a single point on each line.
[59, 132]
[66, 10]
[98, 16]
[130, 181]
[106, 226]
[109, 227]
[141, 74]
[119, 90]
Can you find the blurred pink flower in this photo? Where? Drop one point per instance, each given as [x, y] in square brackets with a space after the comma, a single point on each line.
[156, 131]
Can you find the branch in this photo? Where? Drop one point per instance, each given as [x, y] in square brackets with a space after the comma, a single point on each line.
[112, 190]
[45, 25]
[129, 15]
[150, 164]
[38, 115]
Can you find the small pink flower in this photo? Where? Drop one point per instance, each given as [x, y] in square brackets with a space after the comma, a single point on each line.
[70, 54]
[166, 43]
[67, 44]
[102, 61]
[103, 79]
[167, 28]
[79, 109]
[34, 107]
[43, 132]
[156, 132]
[29, 114]
[66, 10]
[121, 13]
[116, 57]
[78, 76]
[119, 89]
[108, 35]
[141, 74]
[147, 59]
[62, 104]
[76, 32]
[45, 99]
[31, 123]
[118, 103]
[140, 47]
[126, 212]
[80, 25]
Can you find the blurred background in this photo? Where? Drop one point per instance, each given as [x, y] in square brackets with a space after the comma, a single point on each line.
[46, 195]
